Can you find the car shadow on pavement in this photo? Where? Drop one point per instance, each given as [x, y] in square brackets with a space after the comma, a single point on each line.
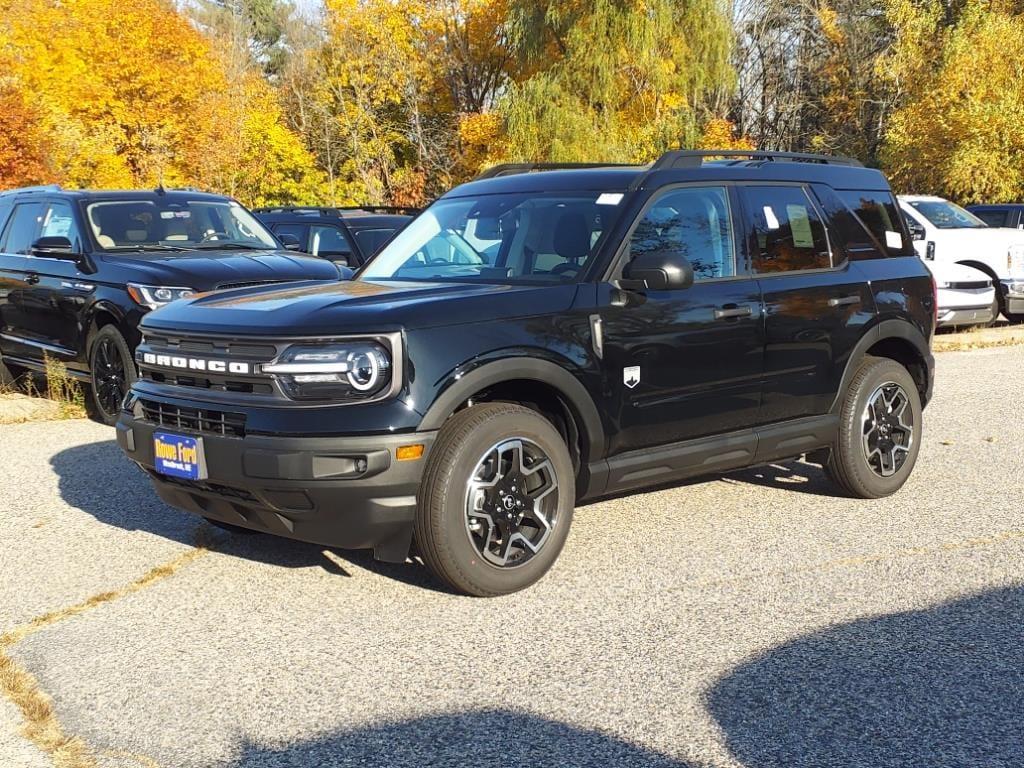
[98, 479]
[491, 738]
[938, 687]
[798, 476]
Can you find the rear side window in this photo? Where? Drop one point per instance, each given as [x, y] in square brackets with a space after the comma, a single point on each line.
[878, 213]
[695, 222]
[21, 228]
[788, 233]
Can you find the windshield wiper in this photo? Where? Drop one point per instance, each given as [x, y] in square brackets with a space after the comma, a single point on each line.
[213, 245]
[148, 247]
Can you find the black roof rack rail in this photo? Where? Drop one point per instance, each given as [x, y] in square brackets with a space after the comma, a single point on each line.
[328, 210]
[512, 169]
[694, 158]
[35, 189]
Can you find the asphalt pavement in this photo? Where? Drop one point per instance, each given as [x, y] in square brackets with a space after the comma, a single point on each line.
[754, 620]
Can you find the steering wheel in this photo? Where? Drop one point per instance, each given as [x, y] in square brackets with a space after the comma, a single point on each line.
[438, 262]
[209, 237]
[567, 266]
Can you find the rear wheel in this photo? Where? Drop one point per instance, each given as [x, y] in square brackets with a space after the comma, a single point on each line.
[879, 431]
[113, 373]
[496, 501]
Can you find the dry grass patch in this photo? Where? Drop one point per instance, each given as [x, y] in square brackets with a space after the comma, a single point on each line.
[979, 338]
[61, 398]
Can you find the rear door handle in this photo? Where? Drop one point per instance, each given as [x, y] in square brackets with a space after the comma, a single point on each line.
[842, 301]
[32, 278]
[731, 310]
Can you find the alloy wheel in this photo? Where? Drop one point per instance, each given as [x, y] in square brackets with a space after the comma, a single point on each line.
[888, 429]
[108, 372]
[511, 502]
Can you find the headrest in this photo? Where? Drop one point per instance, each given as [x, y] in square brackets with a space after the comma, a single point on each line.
[572, 235]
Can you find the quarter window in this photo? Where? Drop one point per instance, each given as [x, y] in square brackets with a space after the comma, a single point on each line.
[788, 234]
[695, 222]
[877, 212]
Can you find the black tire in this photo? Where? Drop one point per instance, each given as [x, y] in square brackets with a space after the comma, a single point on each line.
[112, 371]
[462, 549]
[856, 469]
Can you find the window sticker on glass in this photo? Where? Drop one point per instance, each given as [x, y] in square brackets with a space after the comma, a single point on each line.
[800, 224]
[175, 214]
[610, 198]
[770, 218]
[893, 239]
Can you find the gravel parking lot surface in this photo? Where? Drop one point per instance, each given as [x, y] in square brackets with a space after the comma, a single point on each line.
[751, 620]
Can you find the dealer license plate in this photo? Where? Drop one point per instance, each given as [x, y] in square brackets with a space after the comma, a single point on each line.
[179, 456]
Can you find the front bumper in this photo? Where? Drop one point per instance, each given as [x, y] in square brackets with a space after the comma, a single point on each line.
[1013, 290]
[959, 316]
[348, 492]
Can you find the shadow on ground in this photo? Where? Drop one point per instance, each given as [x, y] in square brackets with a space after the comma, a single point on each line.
[98, 479]
[494, 738]
[943, 686]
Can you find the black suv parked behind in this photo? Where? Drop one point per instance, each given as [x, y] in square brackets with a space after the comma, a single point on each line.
[79, 269]
[535, 339]
[346, 236]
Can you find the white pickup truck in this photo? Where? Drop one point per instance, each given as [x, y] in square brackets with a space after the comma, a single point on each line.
[943, 232]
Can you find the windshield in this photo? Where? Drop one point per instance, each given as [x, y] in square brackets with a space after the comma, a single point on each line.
[946, 215]
[176, 224]
[525, 237]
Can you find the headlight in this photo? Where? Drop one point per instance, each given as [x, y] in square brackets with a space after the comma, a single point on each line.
[352, 371]
[156, 296]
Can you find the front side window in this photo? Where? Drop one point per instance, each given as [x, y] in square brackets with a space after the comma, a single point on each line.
[695, 222]
[526, 237]
[328, 241]
[372, 240]
[22, 227]
[788, 233]
[994, 217]
[175, 224]
[946, 215]
[59, 221]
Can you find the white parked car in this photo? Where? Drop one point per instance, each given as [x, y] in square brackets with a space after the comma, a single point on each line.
[945, 233]
[966, 295]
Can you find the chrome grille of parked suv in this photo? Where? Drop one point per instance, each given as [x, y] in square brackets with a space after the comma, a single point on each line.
[202, 420]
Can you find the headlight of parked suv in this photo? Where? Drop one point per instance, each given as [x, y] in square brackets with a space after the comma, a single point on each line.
[156, 296]
[351, 371]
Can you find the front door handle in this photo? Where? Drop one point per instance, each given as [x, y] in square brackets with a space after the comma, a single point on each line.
[32, 278]
[842, 301]
[731, 310]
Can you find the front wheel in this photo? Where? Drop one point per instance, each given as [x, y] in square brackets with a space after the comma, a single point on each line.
[113, 373]
[879, 431]
[496, 501]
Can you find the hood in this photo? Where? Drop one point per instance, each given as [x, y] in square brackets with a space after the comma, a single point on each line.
[326, 309]
[206, 270]
[967, 240]
[948, 272]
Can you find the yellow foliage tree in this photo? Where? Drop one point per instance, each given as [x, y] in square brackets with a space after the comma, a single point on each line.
[960, 129]
[132, 95]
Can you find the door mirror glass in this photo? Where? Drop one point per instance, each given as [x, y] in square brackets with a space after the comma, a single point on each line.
[660, 271]
[54, 247]
[289, 241]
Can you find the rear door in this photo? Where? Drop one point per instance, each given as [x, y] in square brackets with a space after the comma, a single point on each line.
[18, 280]
[816, 301]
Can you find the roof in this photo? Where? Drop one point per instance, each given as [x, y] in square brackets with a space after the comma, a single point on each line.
[622, 178]
[116, 194]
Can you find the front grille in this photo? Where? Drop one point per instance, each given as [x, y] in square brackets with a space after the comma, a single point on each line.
[971, 285]
[250, 284]
[229, 349]
[202, 420]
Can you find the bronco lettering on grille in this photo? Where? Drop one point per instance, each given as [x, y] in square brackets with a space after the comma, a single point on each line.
[195, 364]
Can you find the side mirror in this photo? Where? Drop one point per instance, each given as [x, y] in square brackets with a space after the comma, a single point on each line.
[344, 273]
[290, 242]
[659, 271]
[55, 247]
[916, 230]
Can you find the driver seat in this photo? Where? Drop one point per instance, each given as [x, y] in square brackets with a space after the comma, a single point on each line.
[571, 241]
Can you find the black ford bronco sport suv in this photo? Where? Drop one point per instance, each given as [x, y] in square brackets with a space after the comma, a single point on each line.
[540, 337]
[79, 269]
